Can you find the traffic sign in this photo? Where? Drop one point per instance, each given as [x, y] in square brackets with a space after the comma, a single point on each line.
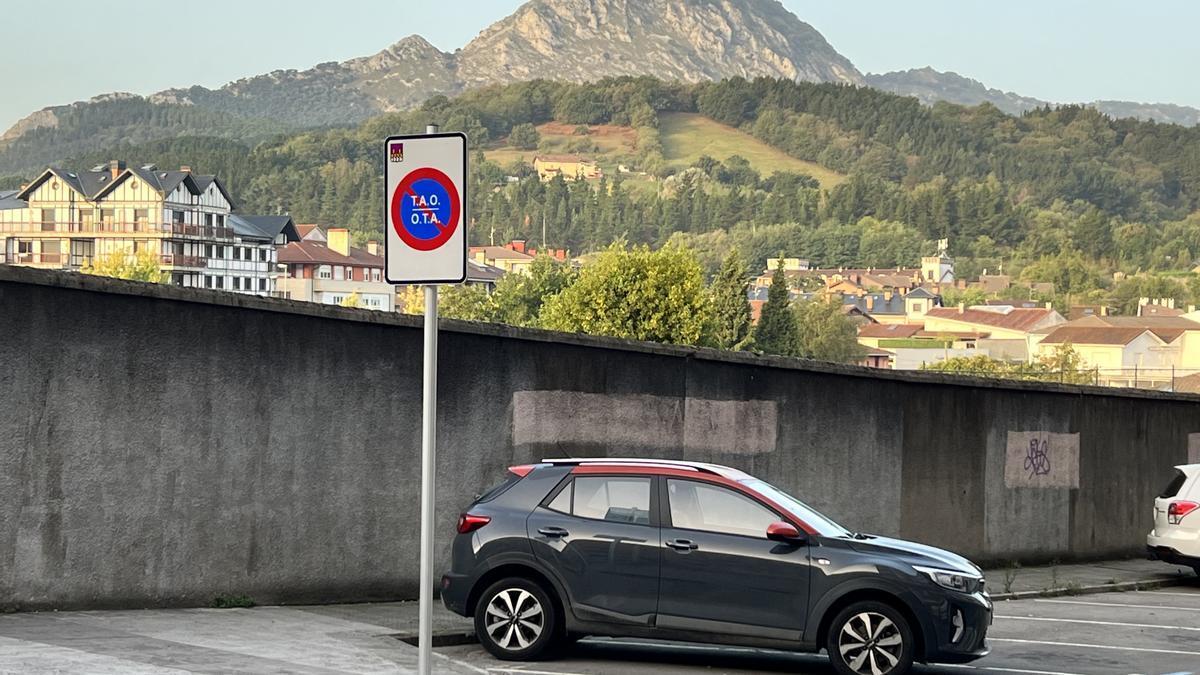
[425, 210]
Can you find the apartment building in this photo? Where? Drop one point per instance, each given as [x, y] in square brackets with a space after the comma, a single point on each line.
[332, 271]
[70, 219]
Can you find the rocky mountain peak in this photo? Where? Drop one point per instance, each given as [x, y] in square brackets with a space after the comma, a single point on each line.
[688, 40]
[407, 51]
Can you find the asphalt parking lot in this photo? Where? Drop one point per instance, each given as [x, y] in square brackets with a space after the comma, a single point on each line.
[1113, 633]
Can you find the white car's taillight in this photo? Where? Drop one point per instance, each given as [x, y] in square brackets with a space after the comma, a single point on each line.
[1177, 511]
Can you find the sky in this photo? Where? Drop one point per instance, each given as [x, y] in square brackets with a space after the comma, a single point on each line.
[1058, 50]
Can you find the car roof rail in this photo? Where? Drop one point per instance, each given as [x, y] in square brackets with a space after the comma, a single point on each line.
[634, 461]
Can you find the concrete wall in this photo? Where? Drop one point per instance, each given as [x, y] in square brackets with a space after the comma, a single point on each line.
[162, 446]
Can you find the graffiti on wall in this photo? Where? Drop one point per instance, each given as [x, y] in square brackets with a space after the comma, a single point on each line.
[1041, 459]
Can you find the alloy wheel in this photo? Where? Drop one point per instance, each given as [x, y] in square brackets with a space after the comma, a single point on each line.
[870, 644]
[514, 619]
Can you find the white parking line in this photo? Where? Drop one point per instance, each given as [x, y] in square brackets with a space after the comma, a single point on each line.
[1120, 604]
[1089, 646]
[1098, 623]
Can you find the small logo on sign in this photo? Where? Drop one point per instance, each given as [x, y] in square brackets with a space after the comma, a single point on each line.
[396, 152]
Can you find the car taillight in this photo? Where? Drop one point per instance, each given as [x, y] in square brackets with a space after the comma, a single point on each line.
[469, 523]
[1177, 510]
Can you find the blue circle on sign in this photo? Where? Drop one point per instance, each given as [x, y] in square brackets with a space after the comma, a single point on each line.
[426, 209]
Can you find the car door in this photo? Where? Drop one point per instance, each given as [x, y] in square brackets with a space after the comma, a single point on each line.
[720, 572]
[600, 536]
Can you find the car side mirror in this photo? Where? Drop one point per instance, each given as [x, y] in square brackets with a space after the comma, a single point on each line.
[785, 532]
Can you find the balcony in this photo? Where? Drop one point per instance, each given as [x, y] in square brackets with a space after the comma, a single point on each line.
[45, 259]
[113, 227]
[174, 260]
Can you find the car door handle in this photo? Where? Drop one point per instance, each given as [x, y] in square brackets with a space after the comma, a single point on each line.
[683, 545]
[553, 532]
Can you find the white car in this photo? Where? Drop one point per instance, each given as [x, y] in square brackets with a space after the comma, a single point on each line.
[1176, 535]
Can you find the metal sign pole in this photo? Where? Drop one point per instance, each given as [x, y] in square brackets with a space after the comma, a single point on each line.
[428, 473]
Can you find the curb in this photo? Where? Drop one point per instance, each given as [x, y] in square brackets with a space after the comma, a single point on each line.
[1122, 587]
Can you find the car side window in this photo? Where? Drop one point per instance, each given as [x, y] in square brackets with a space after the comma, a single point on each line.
[562, 502]
[711, 508]
[615, 499]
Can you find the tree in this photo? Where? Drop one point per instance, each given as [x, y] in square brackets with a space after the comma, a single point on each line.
[468, 302]
[518, 298]
[824, 333]
[352, 300]
[638, 294]
[141, 266]
[776, 332]
[731, 307]
[1066, 363]
[524, 136]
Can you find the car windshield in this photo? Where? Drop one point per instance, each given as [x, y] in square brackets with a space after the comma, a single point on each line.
[811, 517]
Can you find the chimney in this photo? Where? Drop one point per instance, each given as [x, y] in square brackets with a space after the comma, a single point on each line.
[185, 168]
[1103, 310]
[962, 308]
[115, 167]
[888, 295]
[374, 248]
[1049, 305]
[518, 245]
[339, 240]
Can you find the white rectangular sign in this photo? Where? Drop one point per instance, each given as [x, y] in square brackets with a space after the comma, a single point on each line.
[425, 208]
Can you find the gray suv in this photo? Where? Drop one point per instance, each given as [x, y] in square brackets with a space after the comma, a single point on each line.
[701, 553]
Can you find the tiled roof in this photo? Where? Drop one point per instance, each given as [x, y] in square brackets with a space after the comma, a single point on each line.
[1159, 310]
[305, 230]
[1012, 318]
[1167, 328]
[483, 273]
[1093, 335]
[8, 200]
[313, 252]
[264, 227]
[499, 253]
[877, 303]
[888, 330]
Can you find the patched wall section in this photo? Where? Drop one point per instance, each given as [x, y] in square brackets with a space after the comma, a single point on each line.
[573, 424]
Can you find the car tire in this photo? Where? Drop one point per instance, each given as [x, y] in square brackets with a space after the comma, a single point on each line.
[871, 637]
[515, 620]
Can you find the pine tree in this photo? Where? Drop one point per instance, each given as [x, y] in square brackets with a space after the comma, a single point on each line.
[731, 307]
[776, 332]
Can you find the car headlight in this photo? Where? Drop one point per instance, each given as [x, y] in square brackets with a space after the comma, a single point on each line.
[955, 581]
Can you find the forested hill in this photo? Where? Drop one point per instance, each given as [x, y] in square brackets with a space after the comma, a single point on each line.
[1005, 190]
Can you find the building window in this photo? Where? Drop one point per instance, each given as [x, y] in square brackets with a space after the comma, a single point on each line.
[339, 273]
[208, 220]
[323, 272]
[141, 219]
[247, 254]
[220, 221]
[262, 284]
[85, 220]
[107, 219]
[237, 283]
[47, 220]
[375, 274]
[177, 217]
